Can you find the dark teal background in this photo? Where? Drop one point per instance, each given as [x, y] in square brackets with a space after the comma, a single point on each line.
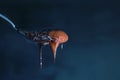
[93, 49]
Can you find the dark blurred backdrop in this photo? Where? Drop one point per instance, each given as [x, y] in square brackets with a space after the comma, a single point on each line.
[93, 49]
